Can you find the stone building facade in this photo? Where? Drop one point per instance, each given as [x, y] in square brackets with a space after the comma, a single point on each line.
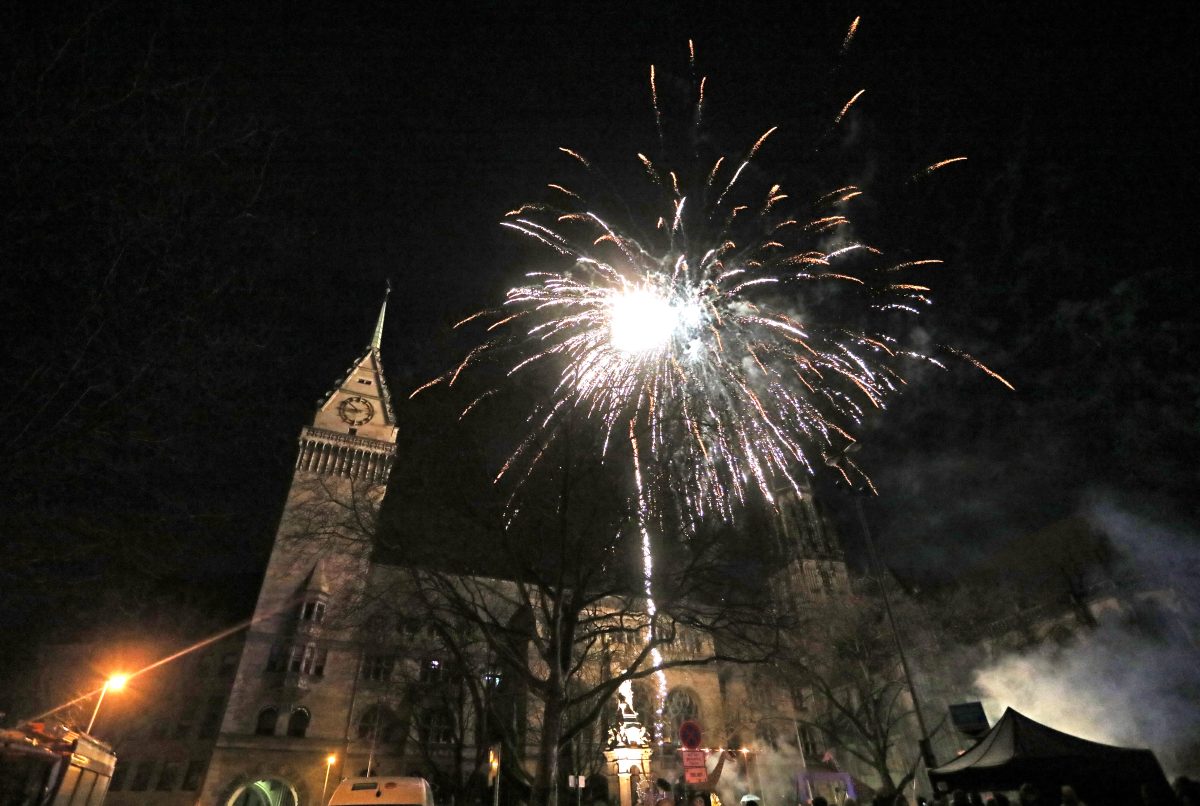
[311, 692]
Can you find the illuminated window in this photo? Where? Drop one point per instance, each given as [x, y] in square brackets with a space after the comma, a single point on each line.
[680, 705]
[431, 671]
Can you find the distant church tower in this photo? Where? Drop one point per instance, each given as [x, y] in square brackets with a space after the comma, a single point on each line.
[295, 682]
[814, 565]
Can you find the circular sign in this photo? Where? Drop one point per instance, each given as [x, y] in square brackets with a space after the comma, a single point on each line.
[689, 734]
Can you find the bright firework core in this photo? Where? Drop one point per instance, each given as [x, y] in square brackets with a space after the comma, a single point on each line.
[643, 320]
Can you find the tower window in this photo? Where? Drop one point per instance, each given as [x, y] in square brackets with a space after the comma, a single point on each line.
[265, 726]
[313, 610]
[298, 722]
[364, 381]
[308, 659]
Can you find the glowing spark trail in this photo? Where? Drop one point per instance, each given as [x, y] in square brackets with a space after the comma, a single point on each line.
[739, 344]
[846, 108]
[850, 34]
[712, 340]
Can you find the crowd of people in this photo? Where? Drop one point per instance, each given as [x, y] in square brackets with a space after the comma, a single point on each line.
[1186, 793]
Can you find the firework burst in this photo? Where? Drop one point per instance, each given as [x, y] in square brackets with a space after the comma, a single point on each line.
[739, 340]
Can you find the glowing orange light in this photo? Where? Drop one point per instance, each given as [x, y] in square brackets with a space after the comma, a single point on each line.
[117, 682]
[331, 759]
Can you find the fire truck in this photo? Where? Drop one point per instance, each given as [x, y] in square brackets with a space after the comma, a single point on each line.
[52, 765]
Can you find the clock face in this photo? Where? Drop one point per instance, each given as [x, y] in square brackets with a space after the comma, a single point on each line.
[356, 410]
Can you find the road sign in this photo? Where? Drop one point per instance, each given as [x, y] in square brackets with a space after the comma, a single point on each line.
[689, 734]
[693, 758]
[695, 775]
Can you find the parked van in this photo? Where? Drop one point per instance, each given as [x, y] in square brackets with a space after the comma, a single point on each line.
[383, 791]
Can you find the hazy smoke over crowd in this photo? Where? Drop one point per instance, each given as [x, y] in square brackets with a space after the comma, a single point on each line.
[1135, 679]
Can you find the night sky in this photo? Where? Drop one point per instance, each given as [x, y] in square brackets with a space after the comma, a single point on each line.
[236, 266]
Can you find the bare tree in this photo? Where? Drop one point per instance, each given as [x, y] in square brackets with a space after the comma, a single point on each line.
[850, 687]
[547, 602]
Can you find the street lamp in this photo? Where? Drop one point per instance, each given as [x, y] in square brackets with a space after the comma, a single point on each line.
[330, 760]
[116, 683]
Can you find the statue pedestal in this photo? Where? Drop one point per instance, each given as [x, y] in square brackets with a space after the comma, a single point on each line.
[625, 766]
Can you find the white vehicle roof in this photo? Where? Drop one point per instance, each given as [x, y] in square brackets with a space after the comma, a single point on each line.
[383, 791]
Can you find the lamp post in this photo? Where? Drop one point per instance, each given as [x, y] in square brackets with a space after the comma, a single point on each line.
[330, 760]
[116, 683]
[924, 744]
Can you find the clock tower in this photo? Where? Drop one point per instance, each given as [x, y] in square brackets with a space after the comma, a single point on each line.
[295, 680]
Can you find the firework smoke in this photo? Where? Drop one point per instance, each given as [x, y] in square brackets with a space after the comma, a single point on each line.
[1134, 679]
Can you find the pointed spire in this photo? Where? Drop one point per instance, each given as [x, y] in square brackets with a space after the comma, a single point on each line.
[316, 581]
[378, 337]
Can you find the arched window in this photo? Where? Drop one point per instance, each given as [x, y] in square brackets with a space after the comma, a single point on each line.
[265, 726]
[680, 705]
[298, 722]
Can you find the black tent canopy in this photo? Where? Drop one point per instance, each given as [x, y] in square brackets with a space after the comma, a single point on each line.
[1018, 750]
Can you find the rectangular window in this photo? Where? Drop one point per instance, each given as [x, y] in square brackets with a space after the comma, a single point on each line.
[308, 659]
[313, 611]
[168, 777]
[277, 660]
[378, 667]
[194, 775]
[119, 775]
[142, 776]
[211, 724]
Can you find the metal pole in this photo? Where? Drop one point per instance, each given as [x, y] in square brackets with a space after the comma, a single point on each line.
[96, 710]
[374, 738]
[578, 777]
[499, 769]
[926, 748]
[803, 757]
